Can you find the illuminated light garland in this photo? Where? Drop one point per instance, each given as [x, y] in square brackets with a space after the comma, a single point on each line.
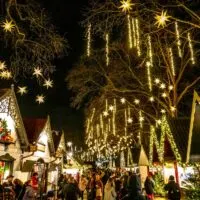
[141, 119]
[148, 64]
[109, 127]
[101, 124]
[191, 48]
[164, 95]
[134, 39]
[107, 50]
[107, 105]
[111, 108]
[150, 50]
[172, 62]
[138, 36]
[130, 42]
[113, 118]
[178, 41]
[87, 125]
[89, 40]
[98, 131]
[125, 122]
[48, 83]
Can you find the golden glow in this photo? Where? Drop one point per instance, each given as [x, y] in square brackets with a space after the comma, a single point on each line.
[22, 90]
[150, 50]
[126, 5]
[134, 33]
[157, 81]
[163, 111]
[191, 48]
[171, 87]
[162, 19]
[2, 65]
[159, 121]
[89, 40]
[48, 83]
[164, 94]
[123, 100]
[8, 26]
[149, 75]
[107, 49]
[151, 99]
[141, 119]
[162, 86]
[136, 101]
[111, 108]
[105, 113]
[138, 36]
[130, 42]
[172, 62]
[173, 108]
[37, 72]
[130, 120]
[113, 118]
[8, 74]
[40, 99]
[178, 41]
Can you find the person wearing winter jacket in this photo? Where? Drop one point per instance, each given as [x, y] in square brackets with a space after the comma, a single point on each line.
[30, 193]
[149, 187]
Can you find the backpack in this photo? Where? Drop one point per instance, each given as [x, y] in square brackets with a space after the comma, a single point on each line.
[175, 192]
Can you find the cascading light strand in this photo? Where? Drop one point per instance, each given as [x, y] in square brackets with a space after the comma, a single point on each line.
[138, 37]
[178, 41]
[134, 38]
[130, 42]
[148, 64]
[89, 40]
[172, 62]
[125, 123]
[191, 48]
[150, 50]
[141, 119]
[107, 49]
[101, 124]
[113, 118]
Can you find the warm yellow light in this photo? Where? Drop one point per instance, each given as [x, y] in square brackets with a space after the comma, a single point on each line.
[2, 65]
[130, 120]
[111, 108]
[173, 108]
[129, 32]
[89, 40]
[159, 121]
[162, 86]
[178, 41]
[164, 94]
[22, 90]
[126, 5]
[48, 83]
[123, 100]
[105, 113]
[162, 19]
[151, 99]
[8, 26]
[150, 51]
[138, 37]
[172, 61]
[107, 50]
[37, 72]
[148, 64]
[8, 74]
[40, 99]
[141, 119]
[157, 80]
[171, 87]
[163, 111]
[191, 49]
[136, 101]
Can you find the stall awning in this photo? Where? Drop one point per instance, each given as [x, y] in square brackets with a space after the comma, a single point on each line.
[7, 158]
[28, 166]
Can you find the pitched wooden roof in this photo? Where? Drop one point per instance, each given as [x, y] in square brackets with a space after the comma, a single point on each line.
[8, 103]
[56, 138]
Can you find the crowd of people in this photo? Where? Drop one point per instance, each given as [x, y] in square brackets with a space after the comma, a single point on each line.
[107, 185]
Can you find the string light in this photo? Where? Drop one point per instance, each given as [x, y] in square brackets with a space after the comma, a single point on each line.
[191, 48]
[149, 75]
[134, 32]
[150, 50]
[178, 41]
[172, 62]
[162, 19]
[107, 49]
[89, 40]
[113, 119]
[130, 42]
[141, 119]
[138, 36]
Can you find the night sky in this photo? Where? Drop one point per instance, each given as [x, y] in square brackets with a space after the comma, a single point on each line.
[66, 16]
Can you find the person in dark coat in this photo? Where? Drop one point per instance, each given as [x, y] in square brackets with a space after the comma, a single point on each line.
[134, 187]
[18, 188]
[149, 187]
[173, 189]
[71, 190]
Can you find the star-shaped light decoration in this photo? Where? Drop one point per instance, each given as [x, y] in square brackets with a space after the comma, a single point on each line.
[162, 86]
[170, 87]
[162, 19]
[105, 113]
[40, 99]
[157, 80]
[123, 100]
[136, 101]
[48, 83]
[2, 65]
[37, 72]
[8, 26]
[3, 74]
[126, 5]
[111, 108]
[130, 120]
[151, 99]
[22, 90]
[173, 108]
[8, 74]
[164, 95]
[159, 121]
[163, 111]
[141, 119]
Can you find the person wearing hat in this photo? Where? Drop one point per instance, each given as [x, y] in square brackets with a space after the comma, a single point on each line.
[173, 189]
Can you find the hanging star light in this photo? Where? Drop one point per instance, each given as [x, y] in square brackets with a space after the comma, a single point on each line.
[162, 19]
[126, 5]
[123, 100]
[105, 113]
[151, 99]
[48, 83]
[157, 80]
[163, 111]
[2, 65]
[170, 87]
[37, 72]
[22, 90]
[111, 108]
[136, 101]
[162, 86]
[3, 74]
[8, 74]
[40, 99]
[130, 120]
[8, 26]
